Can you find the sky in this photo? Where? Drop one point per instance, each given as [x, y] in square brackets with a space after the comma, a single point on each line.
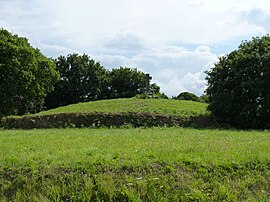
[175, 41]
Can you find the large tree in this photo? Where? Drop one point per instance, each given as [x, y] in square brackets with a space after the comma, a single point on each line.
[82, 79]
[126, 82]
[26, 76]
[239, 85]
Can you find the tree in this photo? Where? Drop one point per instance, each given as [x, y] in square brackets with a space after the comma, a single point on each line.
[126, 82]
[204, 98]
[239, 85]
[155, 88]
[187, 96]
[156, 92]
[82, 79]
[26, 76]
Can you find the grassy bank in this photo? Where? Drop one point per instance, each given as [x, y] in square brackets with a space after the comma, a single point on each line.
[154, 164]
[181, 108]
[118, 112]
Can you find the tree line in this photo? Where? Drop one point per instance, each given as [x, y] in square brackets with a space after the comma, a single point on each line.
[30, 82]
[238, 86]
[82, 80]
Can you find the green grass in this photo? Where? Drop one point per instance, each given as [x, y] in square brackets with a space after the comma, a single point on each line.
[133, 146]
[154, 164]
[160, 106]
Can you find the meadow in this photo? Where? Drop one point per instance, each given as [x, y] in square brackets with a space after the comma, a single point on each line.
[134, 164]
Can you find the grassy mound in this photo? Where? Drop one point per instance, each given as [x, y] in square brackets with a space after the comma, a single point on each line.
[118, 112]
[154, 164]
[173, 107]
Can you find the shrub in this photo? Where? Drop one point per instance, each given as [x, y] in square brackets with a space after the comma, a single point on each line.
[187, 96]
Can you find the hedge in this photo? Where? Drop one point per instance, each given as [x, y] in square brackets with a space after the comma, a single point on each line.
[96, 119]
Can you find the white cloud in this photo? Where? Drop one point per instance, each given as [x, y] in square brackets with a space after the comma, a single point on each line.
[54, 49]
[114, 61]
[85, 24]
[259, 17]
[170, 39]
[175, 69]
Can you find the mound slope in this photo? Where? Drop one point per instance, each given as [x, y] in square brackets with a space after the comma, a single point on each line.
[118, 112]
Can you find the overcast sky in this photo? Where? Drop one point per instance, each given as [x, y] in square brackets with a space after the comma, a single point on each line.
[173, 40]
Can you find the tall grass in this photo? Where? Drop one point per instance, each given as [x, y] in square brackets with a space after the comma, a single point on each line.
[154, 164]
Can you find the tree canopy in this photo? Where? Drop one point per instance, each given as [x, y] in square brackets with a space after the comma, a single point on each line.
[29, 81]
[26, 76]
[187, 96]
[239, 85]
[126, 82]
[82, 79]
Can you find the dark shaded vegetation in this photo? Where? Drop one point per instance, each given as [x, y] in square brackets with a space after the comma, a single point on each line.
[96, 119]
[26, 76]
[191, 96]
[187, 96]
[126, 83]
[239, 87]
[81, 80]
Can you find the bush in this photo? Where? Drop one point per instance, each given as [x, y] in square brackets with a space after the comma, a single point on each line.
[187, 96]
[204, 99]
[239, 85]
[99, 119]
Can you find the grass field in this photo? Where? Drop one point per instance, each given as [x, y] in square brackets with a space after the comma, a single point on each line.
[159, 106]
[134, 164]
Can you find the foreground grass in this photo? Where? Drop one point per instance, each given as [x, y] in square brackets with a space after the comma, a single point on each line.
[154, 164]
[181, 108]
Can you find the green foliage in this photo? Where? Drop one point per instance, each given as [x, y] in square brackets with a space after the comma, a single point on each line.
[126, 82]
[239, 87]
[204, 98]
[156, 94]
[97, 120]
[187, 96]
[161, 96]
[155, 88]
[155, 164]
[82, 79]
[26, 76]
[143, 96]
